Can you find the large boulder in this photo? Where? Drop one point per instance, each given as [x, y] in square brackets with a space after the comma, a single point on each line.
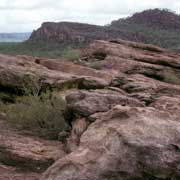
[86, 103]
[124, 143]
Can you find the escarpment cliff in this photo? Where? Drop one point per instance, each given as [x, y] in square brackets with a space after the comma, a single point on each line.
[76, 33]
[152, 26]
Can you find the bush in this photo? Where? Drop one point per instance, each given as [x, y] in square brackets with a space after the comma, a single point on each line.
[71, 54]
[41, 116]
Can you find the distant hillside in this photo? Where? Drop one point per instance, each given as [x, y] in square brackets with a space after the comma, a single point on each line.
[14, 37]
[155, 26]
[159, 18]
[63, 39]
[76, 33]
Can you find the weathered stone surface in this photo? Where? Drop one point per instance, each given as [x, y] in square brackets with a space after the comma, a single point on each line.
[76, 33]
[169, 104]
[11, 173]
[23, 72]
[86, 103]
[124, 101]
[134, 131]
[27, 152]
[124, 143]
[136, 51]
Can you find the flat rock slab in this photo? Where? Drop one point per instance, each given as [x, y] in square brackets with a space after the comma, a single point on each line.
[125, 143]
[86, 103]
[27, 152]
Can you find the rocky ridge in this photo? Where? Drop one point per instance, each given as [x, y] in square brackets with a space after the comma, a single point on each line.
[152, 26]
[162, 18]
[76, 33]
[124, 101]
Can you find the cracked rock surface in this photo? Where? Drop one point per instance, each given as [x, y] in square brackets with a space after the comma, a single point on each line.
[124, 102]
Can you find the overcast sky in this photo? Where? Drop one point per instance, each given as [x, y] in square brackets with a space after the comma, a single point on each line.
[26, 15]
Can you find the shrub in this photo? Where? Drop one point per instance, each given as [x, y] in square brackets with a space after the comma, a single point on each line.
[41, 116]
[71, 54]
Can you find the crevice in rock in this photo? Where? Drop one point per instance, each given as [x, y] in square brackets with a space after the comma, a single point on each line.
[11, 90]
[175, 147]
[100, 55]
[159, 62]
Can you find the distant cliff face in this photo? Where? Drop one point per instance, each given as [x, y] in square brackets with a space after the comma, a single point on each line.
[68, 32]
[155, 26]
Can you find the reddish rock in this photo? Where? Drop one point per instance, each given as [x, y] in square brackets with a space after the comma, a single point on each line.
[124, 143]
[86, 103]
[76, 33]
[124, 102]
[29, 153]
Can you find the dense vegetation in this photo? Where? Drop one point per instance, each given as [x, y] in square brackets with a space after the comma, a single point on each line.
[169, 39]
[42, 116]
[40, 50]
[153, 26]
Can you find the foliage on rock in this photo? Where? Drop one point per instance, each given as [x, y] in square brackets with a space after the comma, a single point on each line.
[41, 116]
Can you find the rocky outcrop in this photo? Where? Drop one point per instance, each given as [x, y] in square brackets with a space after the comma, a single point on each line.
[26, 152]
[86, 103]
[124, 143]
[7, 172]
[76, 33]
[17, 74]
[133, 125]
[153, 26]
[123, 101]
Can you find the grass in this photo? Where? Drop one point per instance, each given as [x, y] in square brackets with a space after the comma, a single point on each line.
[42, 116]
[48, 50]
[71, 54]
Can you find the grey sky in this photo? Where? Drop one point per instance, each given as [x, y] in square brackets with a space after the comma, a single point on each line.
[26, 15]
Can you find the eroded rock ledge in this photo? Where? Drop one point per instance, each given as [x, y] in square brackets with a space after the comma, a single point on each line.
[124, 101]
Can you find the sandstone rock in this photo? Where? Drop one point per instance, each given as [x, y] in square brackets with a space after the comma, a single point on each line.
[124, 143]
[124, 99]
[139, 83]
[8, 173]
[76, 33]
[86, 103]
[134, 126]
[27, 152]
[169, 104]
[22, 72]
[79, 126]
[135, 51]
